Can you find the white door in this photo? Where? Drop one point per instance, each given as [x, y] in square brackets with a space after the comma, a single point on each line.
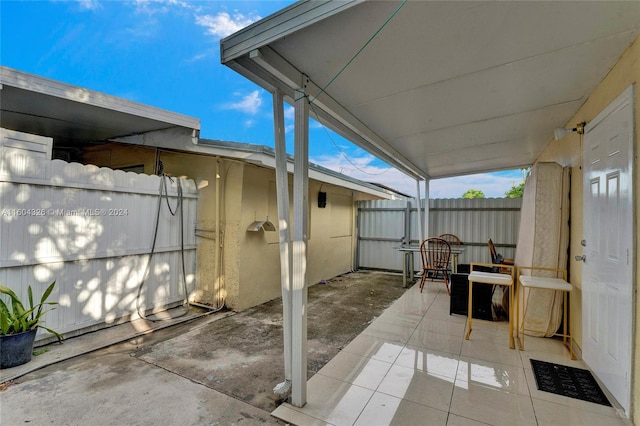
[607, 285]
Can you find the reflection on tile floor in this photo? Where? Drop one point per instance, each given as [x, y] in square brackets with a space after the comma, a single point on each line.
[412, 366]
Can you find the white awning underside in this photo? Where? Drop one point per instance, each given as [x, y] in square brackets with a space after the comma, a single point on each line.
[445, 88]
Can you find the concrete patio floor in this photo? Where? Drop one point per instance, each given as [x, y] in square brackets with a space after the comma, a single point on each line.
[217, 368]
[409, 366]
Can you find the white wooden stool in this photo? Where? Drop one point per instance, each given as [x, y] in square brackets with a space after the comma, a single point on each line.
[492, 278]
[550, 284]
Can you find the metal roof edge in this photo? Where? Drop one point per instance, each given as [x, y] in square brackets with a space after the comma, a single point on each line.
[278, 25]
[265, 156]
[26, 81]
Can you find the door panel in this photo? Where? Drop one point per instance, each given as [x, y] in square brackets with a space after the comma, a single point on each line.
[607, 283]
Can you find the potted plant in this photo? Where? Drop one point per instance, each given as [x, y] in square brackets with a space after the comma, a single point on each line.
[18, 326]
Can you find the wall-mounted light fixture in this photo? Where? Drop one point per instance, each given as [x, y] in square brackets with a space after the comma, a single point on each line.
[559, 132]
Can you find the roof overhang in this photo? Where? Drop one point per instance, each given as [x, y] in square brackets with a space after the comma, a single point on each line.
[71, 114]
[264, 156]
[442, 88]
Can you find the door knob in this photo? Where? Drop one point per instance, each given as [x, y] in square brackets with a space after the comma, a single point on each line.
[583, 258]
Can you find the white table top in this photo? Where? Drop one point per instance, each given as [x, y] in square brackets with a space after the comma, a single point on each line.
[545, 283]
[454, 249]
[490, 278]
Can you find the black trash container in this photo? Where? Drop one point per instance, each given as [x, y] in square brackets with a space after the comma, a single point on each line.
[459, 303]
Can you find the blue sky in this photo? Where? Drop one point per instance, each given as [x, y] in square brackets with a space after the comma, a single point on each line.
[165, 53]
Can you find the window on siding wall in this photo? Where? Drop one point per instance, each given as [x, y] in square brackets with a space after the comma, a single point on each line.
[341, 207]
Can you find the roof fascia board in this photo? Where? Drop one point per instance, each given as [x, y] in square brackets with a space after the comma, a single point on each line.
[321, 175]
[330, 112]
[252, 72]
[45, 86]
[265, 156]
[278, 25]
[256, 154]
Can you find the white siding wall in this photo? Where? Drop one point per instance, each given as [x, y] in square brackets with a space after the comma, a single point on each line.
[381, 227]
[90, 229]
[25, 143]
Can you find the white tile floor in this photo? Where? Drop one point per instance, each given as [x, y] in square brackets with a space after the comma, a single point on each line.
[412, 366]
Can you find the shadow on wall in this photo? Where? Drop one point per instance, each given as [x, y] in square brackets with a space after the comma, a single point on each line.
[91, 229]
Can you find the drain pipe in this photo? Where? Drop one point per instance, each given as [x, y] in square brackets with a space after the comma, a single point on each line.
[217, 303]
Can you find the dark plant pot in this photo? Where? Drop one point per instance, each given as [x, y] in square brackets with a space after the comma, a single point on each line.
[16, 349]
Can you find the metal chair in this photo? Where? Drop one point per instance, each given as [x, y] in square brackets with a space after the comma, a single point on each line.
[435, 254]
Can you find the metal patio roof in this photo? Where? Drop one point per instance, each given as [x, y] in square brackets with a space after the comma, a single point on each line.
[445, 87]
[37, 105]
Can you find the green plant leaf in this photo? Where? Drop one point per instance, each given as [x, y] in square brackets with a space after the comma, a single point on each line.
[18, 319]
[5, 318]
[44, 297]
[30, 294]
[55, 333]
[47, 292]
[15, 300]
[41, 351]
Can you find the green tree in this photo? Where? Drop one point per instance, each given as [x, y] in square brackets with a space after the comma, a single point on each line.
[473, 193]
[516, 191]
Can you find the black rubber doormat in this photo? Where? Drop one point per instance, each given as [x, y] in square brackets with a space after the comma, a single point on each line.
[568, 381]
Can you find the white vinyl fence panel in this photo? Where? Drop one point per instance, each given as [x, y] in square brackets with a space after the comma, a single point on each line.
[383, 225]
[91, 229]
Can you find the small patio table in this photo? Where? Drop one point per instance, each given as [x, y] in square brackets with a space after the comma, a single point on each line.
[408, 265]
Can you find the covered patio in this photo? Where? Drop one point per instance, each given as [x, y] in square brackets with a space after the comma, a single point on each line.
[439, 89]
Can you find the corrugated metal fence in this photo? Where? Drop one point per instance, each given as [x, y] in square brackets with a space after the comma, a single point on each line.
[385, 224]
[91, 230]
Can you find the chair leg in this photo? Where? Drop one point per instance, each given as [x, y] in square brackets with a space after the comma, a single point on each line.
[519, 304]
[469, 311]
[423, 279]
[511, 315]
[447, 280]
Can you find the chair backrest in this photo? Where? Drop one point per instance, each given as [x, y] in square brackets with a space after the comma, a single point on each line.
[452, 239]
[496, 258]
[435, 253]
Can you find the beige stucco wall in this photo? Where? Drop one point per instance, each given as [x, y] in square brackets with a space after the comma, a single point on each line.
[330, 243]
[568, 152]
[250, 261]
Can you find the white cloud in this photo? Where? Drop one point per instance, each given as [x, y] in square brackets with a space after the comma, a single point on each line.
[149, 7]
[90, 4]
[493, 185]
[198, 57]
[289, 112]
[222, 24]
[154, 7]
[367, 171]
[249, 104]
